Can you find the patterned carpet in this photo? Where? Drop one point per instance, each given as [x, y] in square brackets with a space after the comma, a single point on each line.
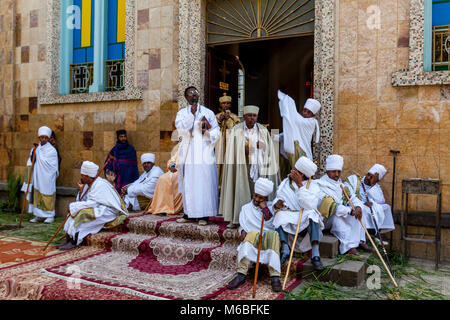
[153, 257]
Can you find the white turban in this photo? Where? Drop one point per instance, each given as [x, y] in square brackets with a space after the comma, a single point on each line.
[44, 131]
[89, 169]
[148, 157]
[335, 162]
[263, 187]
[313, 105]
[306, 166]
[378, 168]
[251, 109]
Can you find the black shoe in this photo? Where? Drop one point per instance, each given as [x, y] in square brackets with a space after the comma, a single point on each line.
[238, 281]
[67, 246]
[316, 263]
[276, 284]
[285, 253]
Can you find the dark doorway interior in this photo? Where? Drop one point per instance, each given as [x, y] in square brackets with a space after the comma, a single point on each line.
[285, 64]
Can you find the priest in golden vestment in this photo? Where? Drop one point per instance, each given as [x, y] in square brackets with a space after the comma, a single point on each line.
[227, 120]
[167, 199]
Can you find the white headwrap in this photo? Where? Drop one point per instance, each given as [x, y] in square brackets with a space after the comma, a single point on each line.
[44, 131]
[335, 162]
[251, 109]
[89, 169]
[148, 157]
[378, 168]
[263, 187]
[306, 166]
[313, 105]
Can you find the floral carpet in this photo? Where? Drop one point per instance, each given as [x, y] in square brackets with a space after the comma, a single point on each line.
[153, 257]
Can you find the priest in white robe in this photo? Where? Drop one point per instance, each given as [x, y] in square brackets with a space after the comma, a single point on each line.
[197, 170]
[343, 221]
[294, 195]
[100, 207]
[42, 188]
[250, 220]
[140, 193]
[298, 128]
[369, 192]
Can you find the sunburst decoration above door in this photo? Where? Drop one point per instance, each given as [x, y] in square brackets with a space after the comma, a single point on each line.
[243, 20]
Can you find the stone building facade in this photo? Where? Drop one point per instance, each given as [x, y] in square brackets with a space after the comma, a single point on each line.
[368, 74]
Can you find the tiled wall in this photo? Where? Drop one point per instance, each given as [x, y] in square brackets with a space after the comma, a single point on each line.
[86, 131]
[372, 116]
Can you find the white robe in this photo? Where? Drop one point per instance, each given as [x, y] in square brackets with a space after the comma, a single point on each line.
[381, 210]
[45, 172]
[107, 205]
[296, 127]
[250, 219]
[295, 200]
[144, 186]
[197, 178]
[343, 226]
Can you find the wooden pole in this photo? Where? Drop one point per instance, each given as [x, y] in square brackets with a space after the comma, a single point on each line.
[257, 259]
[370, 238]
[295, 240]
[28, 186]
[68, 215]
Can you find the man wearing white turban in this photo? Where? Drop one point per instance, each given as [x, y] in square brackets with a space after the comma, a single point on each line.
[42, 190]
[336, 210]
[298, 128]
[101, 207]
[371, 195]
[250, 154]
[140, 193]
[292, 196]
[250, 219]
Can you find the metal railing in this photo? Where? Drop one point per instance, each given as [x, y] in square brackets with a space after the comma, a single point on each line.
[441, 48]
[81, 77]
[115, 75]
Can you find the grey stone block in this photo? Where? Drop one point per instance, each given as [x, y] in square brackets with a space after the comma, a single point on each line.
[348, 273]
[329, 246]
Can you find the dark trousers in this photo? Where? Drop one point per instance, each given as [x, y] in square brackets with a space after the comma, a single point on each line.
[312, 230]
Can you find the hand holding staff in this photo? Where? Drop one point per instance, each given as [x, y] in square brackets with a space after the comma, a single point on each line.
[28, 184]
[259, 253]
[295, 240]
[370, 238]
[81, 198]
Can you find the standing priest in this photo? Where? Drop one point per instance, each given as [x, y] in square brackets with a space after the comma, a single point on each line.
[250, 155]
[197, 172]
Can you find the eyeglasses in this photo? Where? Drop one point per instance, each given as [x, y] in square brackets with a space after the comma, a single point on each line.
[192, 92]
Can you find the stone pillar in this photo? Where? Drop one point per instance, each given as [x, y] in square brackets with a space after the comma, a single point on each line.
[100, 45]
[68, 23]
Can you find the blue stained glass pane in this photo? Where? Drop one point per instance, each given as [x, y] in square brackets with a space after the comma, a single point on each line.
[79, 56]
[441, 13]
[115, 51]
[112, 21]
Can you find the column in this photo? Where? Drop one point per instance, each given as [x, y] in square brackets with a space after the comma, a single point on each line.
[100, 45]
[428, 36]
[68, 22]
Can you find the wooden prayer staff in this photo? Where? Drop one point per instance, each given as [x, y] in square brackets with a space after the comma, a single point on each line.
[257, 258]
[377, 230]
[370, 238]
[28, 186]
[87, 190]
[295, 240]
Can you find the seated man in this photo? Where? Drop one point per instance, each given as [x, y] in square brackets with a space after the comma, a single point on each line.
[100, 207]
[140, 193]
[369, 192]
[250, 219]
[339, 215]
[167, 200]
[292, 195]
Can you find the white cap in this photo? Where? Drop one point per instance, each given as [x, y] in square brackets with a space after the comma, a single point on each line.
[306, 166]
[313, 105]
[263, 186]
[335, 162]
[45, 131]
[148, 157]
[89, 169]
[251, 109]
[378, 168]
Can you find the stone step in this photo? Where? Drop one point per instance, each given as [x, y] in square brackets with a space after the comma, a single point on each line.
[329, 246]
[350, 273]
